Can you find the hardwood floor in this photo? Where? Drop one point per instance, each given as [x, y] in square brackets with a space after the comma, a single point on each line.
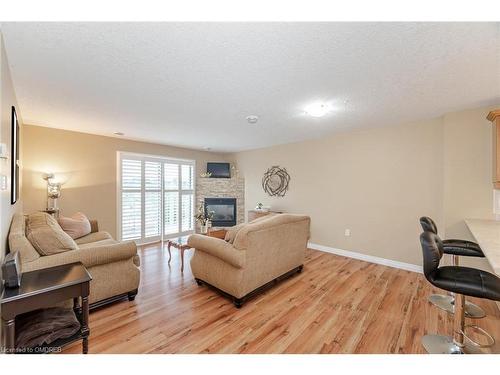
[336, 305]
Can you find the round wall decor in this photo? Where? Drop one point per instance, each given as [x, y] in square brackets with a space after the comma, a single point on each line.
[275, 181]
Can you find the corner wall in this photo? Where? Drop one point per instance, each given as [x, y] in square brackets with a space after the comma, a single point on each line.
[378, 182]
[468, 188]
[7, 100]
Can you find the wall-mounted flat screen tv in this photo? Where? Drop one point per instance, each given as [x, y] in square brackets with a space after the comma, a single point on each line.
[219, 170]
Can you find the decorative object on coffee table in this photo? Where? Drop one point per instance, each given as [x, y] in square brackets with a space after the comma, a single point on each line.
[204, 218]
[275, 181]
[45, 288]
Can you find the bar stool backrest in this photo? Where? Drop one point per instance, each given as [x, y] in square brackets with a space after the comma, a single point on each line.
[428, 225]
[432, 250]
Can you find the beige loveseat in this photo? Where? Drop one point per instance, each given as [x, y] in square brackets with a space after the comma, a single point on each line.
[113, 265]
[261, 252]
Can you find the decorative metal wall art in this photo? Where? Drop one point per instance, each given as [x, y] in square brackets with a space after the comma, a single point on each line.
[275, 181]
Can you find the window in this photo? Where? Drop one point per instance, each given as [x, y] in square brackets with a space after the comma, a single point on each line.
[156, 197]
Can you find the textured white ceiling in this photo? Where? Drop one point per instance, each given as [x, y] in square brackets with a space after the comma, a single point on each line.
[193, 84]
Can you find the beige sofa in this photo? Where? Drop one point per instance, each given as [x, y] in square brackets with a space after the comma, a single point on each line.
[261, 252]
[113, 265]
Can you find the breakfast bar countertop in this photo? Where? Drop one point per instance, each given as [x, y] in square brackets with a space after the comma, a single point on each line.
[487, 235]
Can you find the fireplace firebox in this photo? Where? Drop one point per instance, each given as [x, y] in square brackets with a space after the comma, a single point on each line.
[224, 210]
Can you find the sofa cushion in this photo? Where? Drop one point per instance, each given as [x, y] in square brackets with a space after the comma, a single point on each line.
[46, 235]
[18, 240]
[93, 237]
[77, 225]
[232, 232]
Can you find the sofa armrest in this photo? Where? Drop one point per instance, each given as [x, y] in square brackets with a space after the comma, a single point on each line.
[217, 248]
[90, 257]
[94, 226]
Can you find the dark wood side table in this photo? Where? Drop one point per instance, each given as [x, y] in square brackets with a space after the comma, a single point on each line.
[45, 288]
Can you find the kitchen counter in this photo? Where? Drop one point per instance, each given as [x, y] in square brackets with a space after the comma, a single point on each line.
[487, 235]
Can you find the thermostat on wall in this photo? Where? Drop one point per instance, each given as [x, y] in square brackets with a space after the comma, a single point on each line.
[3, 151]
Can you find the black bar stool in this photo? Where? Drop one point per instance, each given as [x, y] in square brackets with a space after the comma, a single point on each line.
[463, 281]
[455, 248]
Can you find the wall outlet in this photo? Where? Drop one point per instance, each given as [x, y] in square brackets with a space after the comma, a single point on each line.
[347, 233]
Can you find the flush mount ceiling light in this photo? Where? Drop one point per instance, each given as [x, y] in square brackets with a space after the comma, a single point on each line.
[252, 119]
[318, 109]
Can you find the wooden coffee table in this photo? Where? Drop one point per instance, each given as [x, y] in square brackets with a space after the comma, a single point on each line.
[181, 244]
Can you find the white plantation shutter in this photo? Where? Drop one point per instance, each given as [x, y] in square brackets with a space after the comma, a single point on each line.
[187, 206]
[131, 215]
[131, 199]
[157, 197]
[131, 174]
[187, 177]
[187, 212]
[171, 212]
[152, 199]
[171, 176]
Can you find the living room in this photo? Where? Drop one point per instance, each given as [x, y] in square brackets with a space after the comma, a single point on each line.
[250, 187]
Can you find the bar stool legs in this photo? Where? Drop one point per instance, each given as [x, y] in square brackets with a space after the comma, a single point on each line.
[439, 344]
[459, 320]
[447, 303]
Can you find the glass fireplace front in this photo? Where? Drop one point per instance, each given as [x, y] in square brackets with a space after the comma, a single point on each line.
[224, 210]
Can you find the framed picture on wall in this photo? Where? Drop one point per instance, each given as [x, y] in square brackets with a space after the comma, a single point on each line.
[14, 160]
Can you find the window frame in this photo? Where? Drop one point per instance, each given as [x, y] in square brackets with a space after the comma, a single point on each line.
[120, 155]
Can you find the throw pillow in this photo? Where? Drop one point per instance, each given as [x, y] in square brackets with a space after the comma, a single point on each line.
[46, 235]
[78, 225]
[232, 232]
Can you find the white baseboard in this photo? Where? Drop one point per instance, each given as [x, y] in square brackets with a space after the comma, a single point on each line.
[366, 258]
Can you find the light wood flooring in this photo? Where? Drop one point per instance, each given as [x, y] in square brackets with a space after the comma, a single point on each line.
[336, 305]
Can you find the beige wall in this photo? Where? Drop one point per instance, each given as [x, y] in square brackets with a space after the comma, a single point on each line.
[8, 99]
[87, 166]
[378, 182]
[468, 191]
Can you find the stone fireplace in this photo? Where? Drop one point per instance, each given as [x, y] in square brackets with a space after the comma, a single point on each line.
[216, 190]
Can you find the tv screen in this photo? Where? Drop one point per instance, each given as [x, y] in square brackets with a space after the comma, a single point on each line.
[219, 170]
